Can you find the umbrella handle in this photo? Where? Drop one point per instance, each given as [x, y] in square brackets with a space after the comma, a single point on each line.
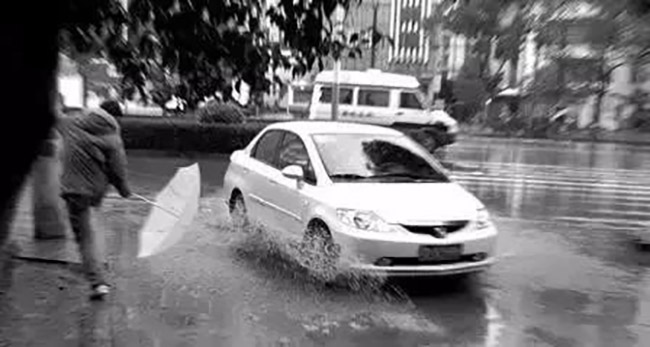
[155, 204]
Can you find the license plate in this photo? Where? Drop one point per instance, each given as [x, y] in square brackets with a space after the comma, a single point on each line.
[440, 253]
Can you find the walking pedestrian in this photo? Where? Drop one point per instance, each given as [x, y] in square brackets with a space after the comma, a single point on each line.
[93, 159]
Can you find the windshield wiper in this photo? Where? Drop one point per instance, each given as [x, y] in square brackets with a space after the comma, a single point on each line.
[409, 175]
[348, 177]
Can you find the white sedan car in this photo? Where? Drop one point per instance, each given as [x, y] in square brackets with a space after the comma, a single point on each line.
[363, 189]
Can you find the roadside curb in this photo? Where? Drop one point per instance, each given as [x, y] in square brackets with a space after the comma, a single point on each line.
[157, 153]
[622, 141]
[57, 251]
[27, 248]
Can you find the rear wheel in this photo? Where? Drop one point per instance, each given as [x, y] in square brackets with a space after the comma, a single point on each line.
[238, 212]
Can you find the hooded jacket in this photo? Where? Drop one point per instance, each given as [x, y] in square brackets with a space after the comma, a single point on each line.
[93, 156]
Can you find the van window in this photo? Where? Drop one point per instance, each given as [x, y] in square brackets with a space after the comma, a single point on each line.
[410, 100]
[374, 97]
[345, 95]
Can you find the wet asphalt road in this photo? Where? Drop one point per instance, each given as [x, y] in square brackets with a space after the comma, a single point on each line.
[569, 273]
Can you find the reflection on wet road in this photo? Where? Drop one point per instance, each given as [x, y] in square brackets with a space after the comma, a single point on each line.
[569, 274]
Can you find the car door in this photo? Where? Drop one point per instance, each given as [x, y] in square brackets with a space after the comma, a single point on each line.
[410, 109]
[261, 167]
[373, 106]
[290, 197]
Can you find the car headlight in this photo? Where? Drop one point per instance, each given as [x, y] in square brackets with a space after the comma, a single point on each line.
[363, 220]
[483, 218]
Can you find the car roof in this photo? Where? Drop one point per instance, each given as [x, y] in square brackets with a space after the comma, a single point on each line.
[370, 78]
[332, 127]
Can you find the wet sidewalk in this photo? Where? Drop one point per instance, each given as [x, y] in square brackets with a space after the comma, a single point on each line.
[45, 302]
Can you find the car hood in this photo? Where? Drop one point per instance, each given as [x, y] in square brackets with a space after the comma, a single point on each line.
[406, 203]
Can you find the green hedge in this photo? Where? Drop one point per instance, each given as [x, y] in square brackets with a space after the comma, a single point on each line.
[186, 135]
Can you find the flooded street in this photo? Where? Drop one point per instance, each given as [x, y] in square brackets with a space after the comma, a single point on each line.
[568, 274]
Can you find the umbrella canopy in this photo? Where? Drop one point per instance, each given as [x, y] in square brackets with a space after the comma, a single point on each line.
[172, 211]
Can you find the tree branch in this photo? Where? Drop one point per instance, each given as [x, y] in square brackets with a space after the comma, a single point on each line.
[645, 52]
[500, 69]
[611, 69]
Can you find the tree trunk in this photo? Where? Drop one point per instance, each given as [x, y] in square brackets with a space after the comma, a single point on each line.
[47, 208]
[435, 39]
[561, 73]
[49, 220]
[533, 107]
[598, 106]
[514, 65]
[603, 83]
[29, 70]
[373, 44]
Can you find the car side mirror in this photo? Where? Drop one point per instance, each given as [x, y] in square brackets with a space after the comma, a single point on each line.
[294, 172]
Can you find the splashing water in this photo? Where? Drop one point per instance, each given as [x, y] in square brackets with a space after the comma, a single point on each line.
[280, 253]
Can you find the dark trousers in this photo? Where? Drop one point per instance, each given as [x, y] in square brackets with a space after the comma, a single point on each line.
[79, 209]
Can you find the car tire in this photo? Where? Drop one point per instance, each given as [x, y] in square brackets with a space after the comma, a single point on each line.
[320, 251]
[238, 212]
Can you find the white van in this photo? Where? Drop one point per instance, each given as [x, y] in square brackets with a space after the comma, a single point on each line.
[378, 98]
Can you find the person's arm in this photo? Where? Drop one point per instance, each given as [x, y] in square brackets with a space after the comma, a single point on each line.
[116, 160]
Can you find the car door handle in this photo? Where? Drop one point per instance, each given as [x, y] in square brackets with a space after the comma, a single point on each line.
[273, 182]
[399, 113]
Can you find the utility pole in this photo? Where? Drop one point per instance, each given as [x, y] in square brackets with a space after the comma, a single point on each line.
[375, 9]
[339, 16]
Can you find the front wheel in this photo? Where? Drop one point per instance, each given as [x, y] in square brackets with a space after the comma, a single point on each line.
[320, 253]
[238, 212]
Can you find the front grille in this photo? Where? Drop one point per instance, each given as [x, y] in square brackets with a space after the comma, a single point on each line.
[440, 230]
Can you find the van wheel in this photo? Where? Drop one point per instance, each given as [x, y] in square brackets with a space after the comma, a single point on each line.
[238, 212]
[320, 252]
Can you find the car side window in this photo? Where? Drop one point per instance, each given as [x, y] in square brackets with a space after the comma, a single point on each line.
[374, 97]
[293, 152]
[267, 147]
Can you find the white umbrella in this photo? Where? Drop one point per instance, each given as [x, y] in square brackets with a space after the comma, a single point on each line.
[172, 213]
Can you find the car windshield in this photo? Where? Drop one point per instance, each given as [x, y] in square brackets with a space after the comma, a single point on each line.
[372, 158]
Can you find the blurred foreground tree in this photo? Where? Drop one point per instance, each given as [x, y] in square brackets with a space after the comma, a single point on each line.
[87, 27]
[194, 48]
[611, 32]
[209, 44]
[497, 30]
